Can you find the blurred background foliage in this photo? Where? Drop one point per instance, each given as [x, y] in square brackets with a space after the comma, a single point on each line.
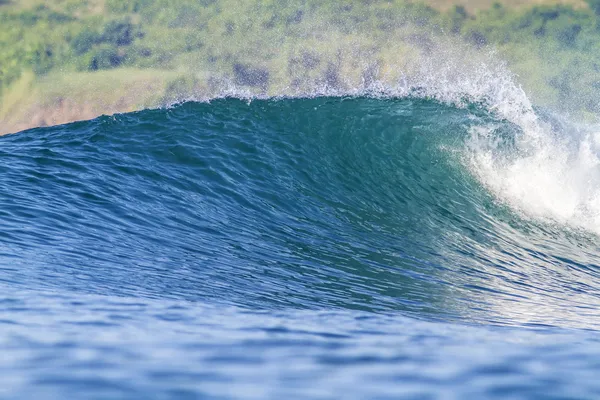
[265, 45]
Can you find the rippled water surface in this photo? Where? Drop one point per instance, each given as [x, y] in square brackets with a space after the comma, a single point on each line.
[325, 247]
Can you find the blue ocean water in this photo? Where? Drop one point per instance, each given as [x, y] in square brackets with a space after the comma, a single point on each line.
[328, 247]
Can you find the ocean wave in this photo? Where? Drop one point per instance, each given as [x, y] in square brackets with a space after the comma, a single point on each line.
[362, 203]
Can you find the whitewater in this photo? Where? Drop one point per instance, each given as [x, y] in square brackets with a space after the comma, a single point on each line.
[431, 238]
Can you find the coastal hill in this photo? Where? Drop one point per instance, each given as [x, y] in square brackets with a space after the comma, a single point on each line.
[66, 60]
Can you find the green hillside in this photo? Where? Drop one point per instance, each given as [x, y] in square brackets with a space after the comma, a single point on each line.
[63, 59]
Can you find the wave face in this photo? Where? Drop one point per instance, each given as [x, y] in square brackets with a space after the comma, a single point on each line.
[266, 248]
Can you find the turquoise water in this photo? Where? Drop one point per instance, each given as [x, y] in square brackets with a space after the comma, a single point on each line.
[329, 247]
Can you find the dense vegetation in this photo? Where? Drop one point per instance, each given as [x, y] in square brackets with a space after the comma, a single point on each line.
[266, 44]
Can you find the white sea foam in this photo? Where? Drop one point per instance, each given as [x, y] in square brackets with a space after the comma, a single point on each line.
[553, 179]
[547, 174]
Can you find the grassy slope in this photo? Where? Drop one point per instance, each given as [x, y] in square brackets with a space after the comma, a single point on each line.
[60, 98]
[176, 50]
